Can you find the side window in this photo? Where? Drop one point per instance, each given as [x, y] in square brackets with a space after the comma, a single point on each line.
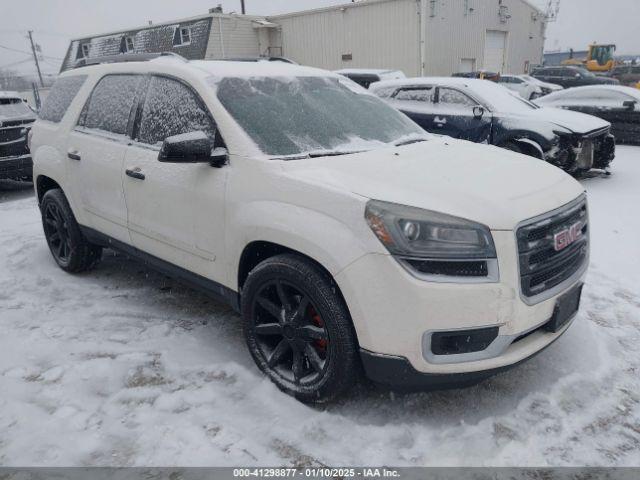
[451, 97]
[60, 97]
[172, 108]
[635, 70]
[110, 104]
[416, 94]
[516, 80]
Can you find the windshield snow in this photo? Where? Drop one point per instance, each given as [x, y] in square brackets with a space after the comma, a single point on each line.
[13, 107]
[312, 116]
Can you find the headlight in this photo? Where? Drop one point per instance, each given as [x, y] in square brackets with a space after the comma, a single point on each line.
[434, 246]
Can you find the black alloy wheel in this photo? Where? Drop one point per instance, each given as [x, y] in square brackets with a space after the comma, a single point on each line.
[298, 328]
[290, 333]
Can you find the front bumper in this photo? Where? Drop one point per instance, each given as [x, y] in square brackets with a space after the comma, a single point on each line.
[16, 168]
[393, 311]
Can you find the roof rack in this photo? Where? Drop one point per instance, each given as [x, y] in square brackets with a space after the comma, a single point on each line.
[125, 57]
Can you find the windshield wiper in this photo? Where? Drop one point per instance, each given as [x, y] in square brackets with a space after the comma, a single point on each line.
[331, 153]
[408, 142]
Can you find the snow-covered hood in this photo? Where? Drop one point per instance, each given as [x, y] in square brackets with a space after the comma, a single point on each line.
[482, 183]
[574, 121]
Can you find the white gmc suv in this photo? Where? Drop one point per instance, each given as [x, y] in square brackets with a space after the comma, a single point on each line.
[350, 240]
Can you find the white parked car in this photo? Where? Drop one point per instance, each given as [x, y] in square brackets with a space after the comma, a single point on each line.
[545, 87]
[345, 235]
[526, 89]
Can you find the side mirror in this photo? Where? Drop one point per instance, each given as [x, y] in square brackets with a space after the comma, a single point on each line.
[192, 147]
[629, 104]
[478, 112]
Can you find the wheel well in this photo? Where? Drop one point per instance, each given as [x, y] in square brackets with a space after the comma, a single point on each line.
[258, 251]
[528, 147]
[43, 185]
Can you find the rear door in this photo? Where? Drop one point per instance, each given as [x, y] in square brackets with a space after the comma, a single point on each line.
[454, 116]
[417, 102]
[176, 210]
[96, 150]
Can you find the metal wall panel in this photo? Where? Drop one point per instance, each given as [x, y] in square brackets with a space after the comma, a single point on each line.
[373, 34]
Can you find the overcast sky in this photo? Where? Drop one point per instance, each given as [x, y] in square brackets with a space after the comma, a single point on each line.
[54, 22]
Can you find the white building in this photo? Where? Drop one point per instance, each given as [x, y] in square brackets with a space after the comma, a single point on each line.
[419, 37]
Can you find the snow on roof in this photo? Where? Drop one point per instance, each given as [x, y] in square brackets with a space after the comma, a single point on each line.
[634, 92]
[223, 68]
[360, 71]
[7, 94]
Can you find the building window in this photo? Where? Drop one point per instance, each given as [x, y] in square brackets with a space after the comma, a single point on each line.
[86, 50]
[182, 37]
[129, 44]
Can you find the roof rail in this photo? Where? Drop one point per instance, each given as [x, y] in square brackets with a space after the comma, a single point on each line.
[125, 57]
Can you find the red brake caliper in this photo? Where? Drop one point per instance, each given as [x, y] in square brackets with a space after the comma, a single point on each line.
[321, 344]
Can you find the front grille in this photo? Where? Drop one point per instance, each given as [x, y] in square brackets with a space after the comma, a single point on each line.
[546, 260]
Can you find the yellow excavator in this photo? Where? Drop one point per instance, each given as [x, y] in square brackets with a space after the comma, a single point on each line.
[599, 58]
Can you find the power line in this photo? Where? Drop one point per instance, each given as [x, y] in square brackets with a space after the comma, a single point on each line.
[15, 63]
[29, 53]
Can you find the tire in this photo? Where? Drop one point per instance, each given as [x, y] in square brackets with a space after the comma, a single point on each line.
[299, 330]
[70, 249]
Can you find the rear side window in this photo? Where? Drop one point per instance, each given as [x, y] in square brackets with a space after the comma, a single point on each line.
[110, 104]
[172, 108]
[60, 97]
[416, 94]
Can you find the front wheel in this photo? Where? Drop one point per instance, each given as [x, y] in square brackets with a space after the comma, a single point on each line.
[298, 329]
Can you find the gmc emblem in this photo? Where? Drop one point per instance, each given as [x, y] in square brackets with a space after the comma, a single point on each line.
[566, 237]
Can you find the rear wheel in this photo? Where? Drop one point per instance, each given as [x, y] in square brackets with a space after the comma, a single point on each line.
[70, 249]
[514, 147]
[298, 329]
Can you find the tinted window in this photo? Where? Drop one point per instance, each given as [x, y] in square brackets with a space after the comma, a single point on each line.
[449, 96]
[635, 70]
[416, 94]
[60, 97]
[172, 108]
[110, 104]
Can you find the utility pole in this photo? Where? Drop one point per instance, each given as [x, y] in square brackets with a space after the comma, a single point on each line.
[242, 7]
[35, 57]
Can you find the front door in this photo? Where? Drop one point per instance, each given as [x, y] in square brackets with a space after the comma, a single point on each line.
[176, 210]
[96, 151]
[454, 112]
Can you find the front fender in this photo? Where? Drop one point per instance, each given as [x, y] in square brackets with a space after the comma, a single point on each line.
[331, 242]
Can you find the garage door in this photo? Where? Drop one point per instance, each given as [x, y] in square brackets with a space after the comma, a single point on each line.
[494, 50]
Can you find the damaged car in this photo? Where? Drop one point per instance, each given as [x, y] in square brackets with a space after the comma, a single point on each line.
[484, 112]
[619, 106]
[16, 118]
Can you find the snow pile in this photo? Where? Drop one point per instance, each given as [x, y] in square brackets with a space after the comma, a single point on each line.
[122, 366]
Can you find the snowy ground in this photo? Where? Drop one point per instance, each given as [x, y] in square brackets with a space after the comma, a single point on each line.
[122, 366]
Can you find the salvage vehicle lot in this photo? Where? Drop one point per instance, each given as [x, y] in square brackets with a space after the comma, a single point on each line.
[122, 366]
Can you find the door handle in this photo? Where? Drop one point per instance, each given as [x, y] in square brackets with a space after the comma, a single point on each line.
[440, 120]
[74, 155]
[135, 173]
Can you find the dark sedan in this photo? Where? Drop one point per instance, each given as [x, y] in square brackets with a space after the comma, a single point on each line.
[485, 112]
[568, 77]
[16, 119]
[619, 106]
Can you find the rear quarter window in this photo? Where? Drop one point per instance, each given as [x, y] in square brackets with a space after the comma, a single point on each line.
[62, 93]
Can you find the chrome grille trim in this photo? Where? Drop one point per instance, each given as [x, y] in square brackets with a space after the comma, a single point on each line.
[543, 271]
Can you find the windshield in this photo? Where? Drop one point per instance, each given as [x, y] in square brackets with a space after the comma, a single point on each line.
[500, 99]
[13, 107]
[313, 116]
